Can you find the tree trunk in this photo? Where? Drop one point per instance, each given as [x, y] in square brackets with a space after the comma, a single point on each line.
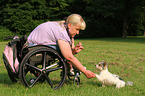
[124, 35]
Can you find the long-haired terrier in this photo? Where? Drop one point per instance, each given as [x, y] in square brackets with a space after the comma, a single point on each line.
[109, 79]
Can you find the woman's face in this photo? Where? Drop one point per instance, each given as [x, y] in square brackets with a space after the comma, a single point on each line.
[73, 29]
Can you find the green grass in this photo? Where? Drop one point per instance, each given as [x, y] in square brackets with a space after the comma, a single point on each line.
[125, 57]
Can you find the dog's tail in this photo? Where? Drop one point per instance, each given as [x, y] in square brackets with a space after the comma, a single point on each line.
[129, 83]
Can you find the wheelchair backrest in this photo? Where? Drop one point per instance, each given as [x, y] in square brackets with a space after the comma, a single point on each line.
[12, 54]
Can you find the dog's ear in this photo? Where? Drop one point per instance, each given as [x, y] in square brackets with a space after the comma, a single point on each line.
[105, 65]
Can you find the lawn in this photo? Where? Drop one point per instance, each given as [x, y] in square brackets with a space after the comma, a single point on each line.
[125, 57]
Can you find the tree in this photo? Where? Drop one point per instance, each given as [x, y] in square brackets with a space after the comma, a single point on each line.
[58, 8]
[22, 16]
[118, 14]
[108, 18]
[104, 18]
[133, 11]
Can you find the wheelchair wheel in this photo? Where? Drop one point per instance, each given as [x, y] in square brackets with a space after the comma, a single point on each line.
[40, 64]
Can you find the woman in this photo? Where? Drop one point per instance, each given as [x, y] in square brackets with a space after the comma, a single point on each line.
[60, 35]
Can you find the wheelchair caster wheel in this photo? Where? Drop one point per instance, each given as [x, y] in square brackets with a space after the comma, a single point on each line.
[77, 81]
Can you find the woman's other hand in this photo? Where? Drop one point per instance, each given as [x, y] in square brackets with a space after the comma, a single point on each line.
[78, 47]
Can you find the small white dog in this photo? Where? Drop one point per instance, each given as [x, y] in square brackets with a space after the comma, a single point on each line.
[109, 79]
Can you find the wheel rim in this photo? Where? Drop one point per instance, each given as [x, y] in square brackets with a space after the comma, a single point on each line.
[40, 66]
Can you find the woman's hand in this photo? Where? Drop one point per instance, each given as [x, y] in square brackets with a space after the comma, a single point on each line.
[78, 48]
[89, 74]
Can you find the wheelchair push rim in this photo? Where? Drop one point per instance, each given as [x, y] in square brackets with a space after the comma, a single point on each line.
[43, 64]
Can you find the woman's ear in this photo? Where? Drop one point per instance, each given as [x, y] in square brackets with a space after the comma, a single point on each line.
[69, 25]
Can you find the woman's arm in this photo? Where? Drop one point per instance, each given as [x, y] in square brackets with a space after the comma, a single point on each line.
[67, 53]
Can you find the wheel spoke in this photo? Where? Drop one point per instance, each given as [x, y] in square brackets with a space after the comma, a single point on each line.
[48, 80]
[36, 68]
[52, 65]
[44, 60]
[53, 69]
[36, 80]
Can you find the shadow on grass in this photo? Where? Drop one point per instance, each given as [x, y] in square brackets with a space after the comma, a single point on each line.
[5, 80]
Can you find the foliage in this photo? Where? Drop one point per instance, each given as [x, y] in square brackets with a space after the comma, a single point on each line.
[20, 15]
[137, 23]
[104, 18]
[4, 32]
[113, 18]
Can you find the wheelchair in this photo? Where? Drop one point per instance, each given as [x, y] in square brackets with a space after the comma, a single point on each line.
[38, 64]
